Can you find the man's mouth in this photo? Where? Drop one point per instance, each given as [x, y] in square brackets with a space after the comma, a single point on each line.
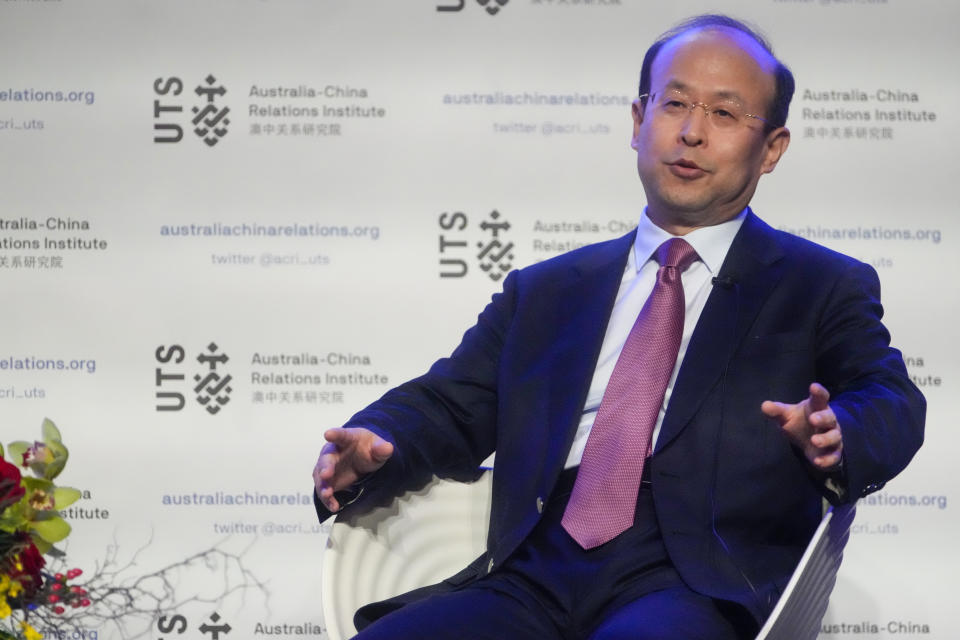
[688, 164]
[687, 169]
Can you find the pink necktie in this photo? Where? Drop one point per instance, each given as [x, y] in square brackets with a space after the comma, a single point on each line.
[604, 496]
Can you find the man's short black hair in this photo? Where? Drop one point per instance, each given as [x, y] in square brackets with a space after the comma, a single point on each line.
[780, 105]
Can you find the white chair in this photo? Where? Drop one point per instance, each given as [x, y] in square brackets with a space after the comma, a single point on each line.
[800, 609]
[420, 539]
[429, 535]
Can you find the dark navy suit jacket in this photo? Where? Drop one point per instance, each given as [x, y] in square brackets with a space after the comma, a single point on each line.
[736, 503]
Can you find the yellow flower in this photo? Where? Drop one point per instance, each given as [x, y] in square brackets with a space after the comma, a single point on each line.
[29, 633]
[11, 588]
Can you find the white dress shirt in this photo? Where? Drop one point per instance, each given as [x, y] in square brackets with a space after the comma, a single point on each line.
[711, 244]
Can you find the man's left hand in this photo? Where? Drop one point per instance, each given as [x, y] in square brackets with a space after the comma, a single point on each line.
[810, 425]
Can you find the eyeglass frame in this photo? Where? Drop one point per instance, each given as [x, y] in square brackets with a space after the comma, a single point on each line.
[705, 107]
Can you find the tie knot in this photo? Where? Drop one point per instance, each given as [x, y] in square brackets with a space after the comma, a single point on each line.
[676, 252]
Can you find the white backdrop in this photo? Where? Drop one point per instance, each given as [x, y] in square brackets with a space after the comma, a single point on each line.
[363, 175]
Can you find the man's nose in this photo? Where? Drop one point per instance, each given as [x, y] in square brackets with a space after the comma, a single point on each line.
[693, 131]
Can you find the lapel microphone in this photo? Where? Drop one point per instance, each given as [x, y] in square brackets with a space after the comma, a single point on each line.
[724, 282]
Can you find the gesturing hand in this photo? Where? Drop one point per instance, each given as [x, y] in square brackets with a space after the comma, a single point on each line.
[349, 455]
[811, 425]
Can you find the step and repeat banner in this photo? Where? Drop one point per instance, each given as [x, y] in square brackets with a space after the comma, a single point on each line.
[228, 225]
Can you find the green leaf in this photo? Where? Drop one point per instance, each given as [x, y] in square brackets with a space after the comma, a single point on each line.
[63, 497]
[60, 455]
[54, 469]
[1, 450]
[17, 449]
[52, 529]
[57, 448]
[9, 525]
[15, 516]
[50, 431]
[58, 463]
[35, 484]
[43, 546]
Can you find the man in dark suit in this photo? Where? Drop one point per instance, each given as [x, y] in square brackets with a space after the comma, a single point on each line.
[780, 389]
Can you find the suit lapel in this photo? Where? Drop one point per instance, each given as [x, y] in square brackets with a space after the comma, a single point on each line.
[582, 313]
[753, 265]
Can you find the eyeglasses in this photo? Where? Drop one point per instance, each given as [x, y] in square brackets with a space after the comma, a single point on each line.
[725, 114]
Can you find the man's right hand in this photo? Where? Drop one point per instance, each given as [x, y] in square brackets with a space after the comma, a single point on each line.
[350, 454]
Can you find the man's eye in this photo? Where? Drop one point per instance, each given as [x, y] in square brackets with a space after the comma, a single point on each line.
[674, 105]
[723, 113]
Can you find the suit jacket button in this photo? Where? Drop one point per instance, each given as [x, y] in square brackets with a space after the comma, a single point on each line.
[539, 504]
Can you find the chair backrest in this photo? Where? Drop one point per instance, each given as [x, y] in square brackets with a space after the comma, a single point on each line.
[799, 612]
[420, 539]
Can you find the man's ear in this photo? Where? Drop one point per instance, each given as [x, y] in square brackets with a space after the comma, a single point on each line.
[637, 110]
[775, 146]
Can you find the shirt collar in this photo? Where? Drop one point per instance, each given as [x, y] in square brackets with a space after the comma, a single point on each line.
[711, 243]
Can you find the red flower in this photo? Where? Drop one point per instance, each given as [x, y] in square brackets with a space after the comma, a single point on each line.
[24, 565]
[10, 489]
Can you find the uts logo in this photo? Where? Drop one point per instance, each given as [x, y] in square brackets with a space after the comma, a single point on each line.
[209, 122]
[494, 253]
[491, 6]
[178, 624]
[211, 384]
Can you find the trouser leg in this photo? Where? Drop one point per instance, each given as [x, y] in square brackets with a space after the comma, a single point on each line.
[676, 613]
[473, 613]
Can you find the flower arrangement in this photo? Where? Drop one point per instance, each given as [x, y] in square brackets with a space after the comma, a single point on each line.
[30, 526]
[40, 592]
